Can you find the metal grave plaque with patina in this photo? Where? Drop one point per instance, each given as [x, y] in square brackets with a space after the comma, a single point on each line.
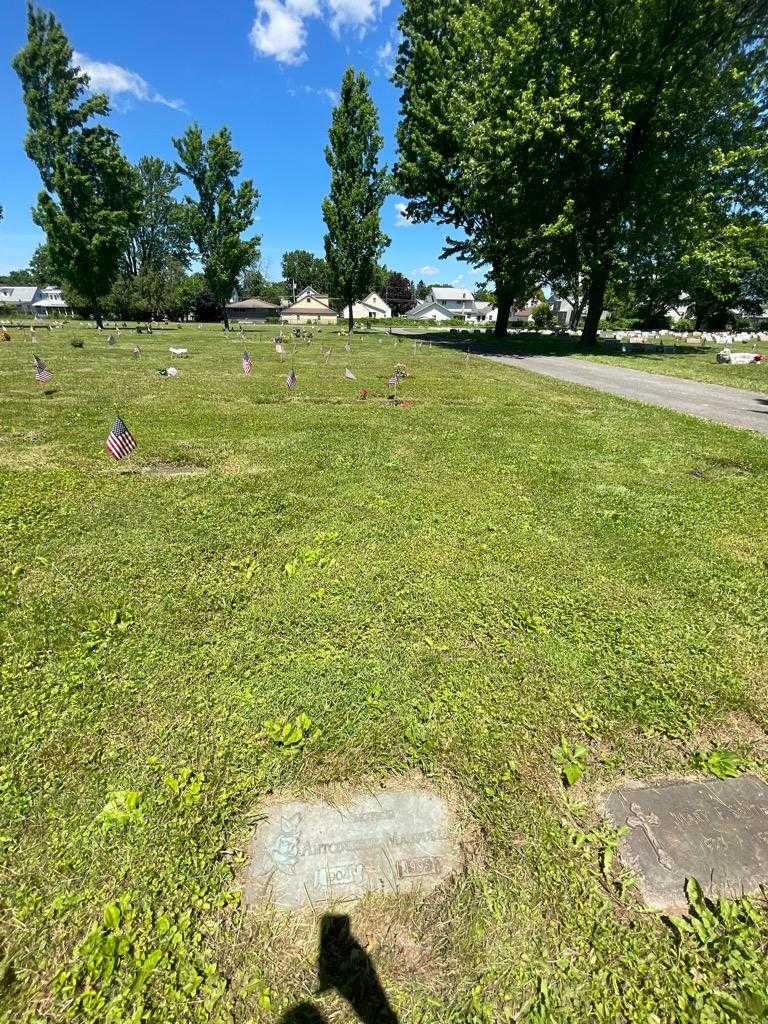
[714, 831]
[320, 853]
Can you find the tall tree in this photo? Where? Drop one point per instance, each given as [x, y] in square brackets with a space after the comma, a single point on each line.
[89, 202]
[302, 269]
[161, 235]
[589, 131]
[354, 240]
[399, 293]
[222, 210]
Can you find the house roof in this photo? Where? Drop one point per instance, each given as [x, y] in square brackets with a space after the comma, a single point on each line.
[17, 293]
[451, 294]
[252, 304]
[429, 304]
[49, 304]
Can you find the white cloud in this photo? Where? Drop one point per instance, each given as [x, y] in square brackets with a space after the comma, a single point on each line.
[280, 30]
[402, 220]
[427, 271]
[117, 81]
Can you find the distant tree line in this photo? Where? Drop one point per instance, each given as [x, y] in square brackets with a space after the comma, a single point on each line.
[119, 240]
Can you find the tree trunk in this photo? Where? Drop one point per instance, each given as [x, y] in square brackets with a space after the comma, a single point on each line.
[351, 321]
[598, 280]
[98, 316]
[503, 309]
[226, 319]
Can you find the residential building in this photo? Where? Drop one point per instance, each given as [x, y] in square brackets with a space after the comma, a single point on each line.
[50, 302]
[251, 310]
[372, 307]
[310, 307]
[428, 309]
[33, 299]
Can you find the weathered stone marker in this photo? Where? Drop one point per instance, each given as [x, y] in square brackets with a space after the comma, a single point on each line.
[320, 853]
[714, 831]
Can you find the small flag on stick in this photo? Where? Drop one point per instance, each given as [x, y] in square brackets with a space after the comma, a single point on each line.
[42, 373]
[120, 441]
[349, 375]
[279, 348]
[247, 366]
[111, 339]
[290, 380]
[393, 380]
[136, 350]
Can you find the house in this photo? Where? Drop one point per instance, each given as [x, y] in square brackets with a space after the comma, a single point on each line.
[33, 299]
[522, 316]
[251, 310]
[430, 310]
[458, 301]
[483, 313]
[453, 304]
[310, 307]
[19, 297]
[372, 307]
[50, 303]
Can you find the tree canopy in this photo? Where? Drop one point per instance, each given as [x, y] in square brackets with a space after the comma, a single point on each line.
[89, 203]
[354, 240]
[222, 210]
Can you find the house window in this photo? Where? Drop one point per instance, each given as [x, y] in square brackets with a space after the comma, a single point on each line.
[371, 313]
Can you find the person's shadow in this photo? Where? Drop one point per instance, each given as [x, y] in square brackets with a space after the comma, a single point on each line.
[343, 965]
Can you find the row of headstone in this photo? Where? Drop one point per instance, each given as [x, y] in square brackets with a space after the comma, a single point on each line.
[318, 852]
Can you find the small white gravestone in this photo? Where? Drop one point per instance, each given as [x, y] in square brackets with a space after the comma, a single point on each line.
[318, 853]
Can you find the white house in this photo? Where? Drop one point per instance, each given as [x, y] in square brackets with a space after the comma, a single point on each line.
[50, 303]
[430, 310]
[32, 299]
[483, 313]
[459, 301]
[18, 297]
[372, 307]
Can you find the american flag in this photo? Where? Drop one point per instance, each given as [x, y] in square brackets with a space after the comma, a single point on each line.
[120, 441]
[247, 366]
[279, 348]
[349, 375]
[290, 380]
[136, 350]
[393, 380]
[111, 339]
[41, 372]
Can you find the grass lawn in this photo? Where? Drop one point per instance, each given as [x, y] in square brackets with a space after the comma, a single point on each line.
[696, 364]
[445, 588]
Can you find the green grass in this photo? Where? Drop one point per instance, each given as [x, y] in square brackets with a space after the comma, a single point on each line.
[445, 589]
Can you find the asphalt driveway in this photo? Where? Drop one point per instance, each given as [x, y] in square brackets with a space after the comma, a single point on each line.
[734, 406]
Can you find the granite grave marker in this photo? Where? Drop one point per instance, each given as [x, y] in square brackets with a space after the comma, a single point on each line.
[715, 831]
[318, 853]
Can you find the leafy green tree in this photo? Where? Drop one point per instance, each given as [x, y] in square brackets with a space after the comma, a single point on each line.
[222, 210]
[354, 240]
[40, 266]
[161, 235]
[89, 202]
[399, 293]
[301, 269]
[589, 133]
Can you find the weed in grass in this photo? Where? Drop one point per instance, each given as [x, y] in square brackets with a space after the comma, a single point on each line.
[571, 759]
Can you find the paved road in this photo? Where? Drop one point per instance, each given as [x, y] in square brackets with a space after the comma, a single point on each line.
[734, 406]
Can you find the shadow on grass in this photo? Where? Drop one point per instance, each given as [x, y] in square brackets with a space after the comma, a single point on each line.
[343, 965]
[529, 343]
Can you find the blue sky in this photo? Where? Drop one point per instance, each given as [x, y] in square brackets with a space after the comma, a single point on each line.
[269, 69]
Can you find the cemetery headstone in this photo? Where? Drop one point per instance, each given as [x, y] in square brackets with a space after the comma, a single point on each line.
[715, 831]
[318, 853]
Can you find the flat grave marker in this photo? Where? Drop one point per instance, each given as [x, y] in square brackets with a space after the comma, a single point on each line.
[318, 853]
[715, 831]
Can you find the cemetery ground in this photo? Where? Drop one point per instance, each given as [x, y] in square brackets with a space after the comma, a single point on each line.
[695, 363]
[498, 583]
